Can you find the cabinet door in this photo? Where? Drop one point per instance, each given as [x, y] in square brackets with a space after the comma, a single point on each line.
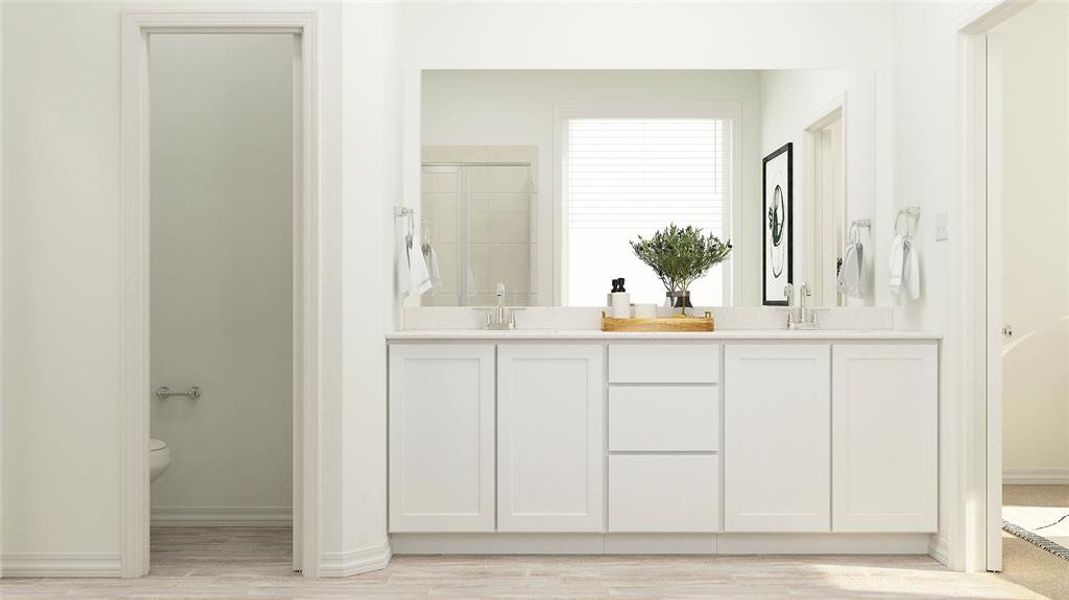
[442, 437]
[551, 452]
[777, 439]
[885, 432]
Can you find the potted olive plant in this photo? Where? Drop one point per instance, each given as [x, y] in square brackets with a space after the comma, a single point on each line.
[679, 256]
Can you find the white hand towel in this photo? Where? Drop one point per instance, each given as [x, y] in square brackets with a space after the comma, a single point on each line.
[898, 262]
[912, 270]
[418, 276]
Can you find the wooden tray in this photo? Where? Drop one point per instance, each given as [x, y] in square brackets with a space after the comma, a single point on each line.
[674, 323]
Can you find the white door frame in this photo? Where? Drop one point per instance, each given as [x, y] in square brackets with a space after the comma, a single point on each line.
[977, 372]
[834, 109]
[136, 27]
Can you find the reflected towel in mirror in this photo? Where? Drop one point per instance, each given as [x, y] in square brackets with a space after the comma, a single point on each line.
[418, 275]
[848, 282]
[430, 256]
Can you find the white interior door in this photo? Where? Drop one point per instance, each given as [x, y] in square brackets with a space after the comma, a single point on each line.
[826, 213]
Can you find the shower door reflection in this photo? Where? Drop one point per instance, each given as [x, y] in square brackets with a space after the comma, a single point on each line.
[478, 218]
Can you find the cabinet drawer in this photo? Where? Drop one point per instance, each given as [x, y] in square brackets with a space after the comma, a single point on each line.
[675, 493]
[664, 363]
[664, 418]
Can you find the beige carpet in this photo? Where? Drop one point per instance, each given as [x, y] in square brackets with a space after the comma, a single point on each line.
[1025, 564]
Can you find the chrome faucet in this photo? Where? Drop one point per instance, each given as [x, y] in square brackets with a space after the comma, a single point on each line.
[802, 316]
[807, 316]
[788, 295]
[501, 317]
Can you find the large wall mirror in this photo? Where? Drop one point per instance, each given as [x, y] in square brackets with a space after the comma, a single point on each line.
[539, 180]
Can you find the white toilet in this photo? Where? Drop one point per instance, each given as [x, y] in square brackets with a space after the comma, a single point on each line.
[159, 458]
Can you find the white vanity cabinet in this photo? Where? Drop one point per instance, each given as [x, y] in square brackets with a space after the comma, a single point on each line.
[885, 437]
[441, 437]
[777, 440]
[674, 443]
[551, 447]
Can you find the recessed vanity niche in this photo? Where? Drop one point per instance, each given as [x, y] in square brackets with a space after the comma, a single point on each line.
[527, 192]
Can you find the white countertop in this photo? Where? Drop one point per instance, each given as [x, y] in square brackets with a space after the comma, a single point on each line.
[595, 334]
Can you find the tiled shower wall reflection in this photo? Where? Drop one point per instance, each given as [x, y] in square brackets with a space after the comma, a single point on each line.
[480, 218]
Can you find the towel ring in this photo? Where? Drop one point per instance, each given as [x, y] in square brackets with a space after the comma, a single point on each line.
[854, 233]
[911, 213]
[403, 212]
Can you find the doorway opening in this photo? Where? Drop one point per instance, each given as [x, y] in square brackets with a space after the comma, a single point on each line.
[221, 294]
[1028, 295]
[220, 288]
[826, 183]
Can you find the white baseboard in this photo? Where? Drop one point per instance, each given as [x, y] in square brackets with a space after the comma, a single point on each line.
[822, 543]
[1035, 477]
[222, 516]
[355, 562]
[939, 550]
[656, 543]
[60, 564]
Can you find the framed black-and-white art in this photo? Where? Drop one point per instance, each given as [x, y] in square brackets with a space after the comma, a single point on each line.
[778, 224]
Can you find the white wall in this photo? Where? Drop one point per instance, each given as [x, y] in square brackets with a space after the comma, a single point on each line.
[519, 108]
[1029, 105]
[371, 186]
[927, 121]
[790, 102]
[61, 266]
[924, 142]
[221, 270]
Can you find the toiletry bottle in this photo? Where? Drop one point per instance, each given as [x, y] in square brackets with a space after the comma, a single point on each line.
[621, 300]
[608, 297]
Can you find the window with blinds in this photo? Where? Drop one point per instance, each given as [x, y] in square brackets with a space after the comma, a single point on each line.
[625, 177]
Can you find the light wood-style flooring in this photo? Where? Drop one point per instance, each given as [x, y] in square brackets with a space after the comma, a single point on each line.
[254, 563]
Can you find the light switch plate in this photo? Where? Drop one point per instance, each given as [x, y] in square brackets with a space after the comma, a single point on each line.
[942, 227]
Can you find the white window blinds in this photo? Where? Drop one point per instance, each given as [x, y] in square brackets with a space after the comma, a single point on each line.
[629, 176]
